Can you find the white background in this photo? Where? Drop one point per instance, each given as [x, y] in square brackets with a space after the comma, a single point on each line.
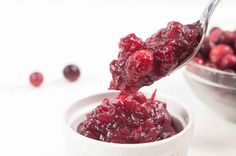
[46, 35]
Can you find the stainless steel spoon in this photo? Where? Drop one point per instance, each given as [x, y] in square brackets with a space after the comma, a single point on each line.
[204, 20]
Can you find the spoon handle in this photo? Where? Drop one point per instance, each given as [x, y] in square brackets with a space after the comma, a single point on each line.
[204, 20]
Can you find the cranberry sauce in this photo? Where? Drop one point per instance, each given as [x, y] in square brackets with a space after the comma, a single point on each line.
[140, 63]
[128, 119]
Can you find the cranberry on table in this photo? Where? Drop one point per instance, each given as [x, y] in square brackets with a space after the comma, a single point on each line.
[228, 62]
[218, 52]
[71, 72]
[36, 79]
[127, 119]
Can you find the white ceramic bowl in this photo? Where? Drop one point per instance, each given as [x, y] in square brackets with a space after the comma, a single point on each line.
[79, 145]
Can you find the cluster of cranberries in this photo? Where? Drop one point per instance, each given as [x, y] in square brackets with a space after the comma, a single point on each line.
[128, 118]
[140, 63]
[71, 72]
[218, 50]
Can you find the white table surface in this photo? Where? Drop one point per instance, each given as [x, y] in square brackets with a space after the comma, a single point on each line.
[49, 34]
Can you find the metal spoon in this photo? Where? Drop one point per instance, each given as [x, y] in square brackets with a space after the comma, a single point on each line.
[204, 20]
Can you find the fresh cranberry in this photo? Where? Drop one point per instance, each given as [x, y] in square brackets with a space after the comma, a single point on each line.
[206, 47]
[71, 72]
[222, 46]
[213, 28]
[228, 62]
[170, 47]
[227, 37]
[198, 60]
[139, 65]
[215, 35]
[36, 79]
[218, 52]
[128, 119]
[219, 36]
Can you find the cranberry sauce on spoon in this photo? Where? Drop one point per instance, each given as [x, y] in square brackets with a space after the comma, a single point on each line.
[141, 63]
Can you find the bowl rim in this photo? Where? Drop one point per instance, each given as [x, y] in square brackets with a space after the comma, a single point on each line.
[186, 129]
[215, 70]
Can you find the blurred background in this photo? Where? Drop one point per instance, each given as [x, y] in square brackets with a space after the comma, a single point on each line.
[46, 35]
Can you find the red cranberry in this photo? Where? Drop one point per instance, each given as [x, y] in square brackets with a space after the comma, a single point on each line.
[218, 52]
[228, 62]
[215, 35]
[206, 47]
[214, 28]
[71, 72]
[219, 36]
[36, 79]
[227, 37]
[139, 64]
[198, 60]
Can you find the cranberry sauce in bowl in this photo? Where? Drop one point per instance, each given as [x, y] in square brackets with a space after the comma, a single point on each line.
[174, 125]
[140, 63]
[128, 119]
